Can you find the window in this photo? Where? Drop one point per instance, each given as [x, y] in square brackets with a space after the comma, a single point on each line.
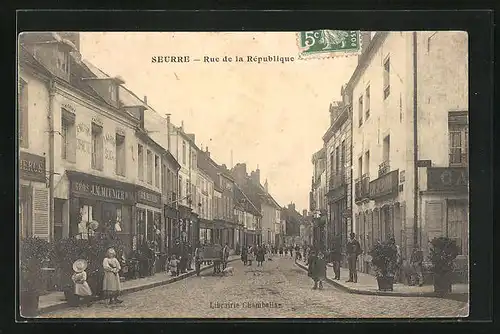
[387, 77]
[23, 113]
[157, 171]
[367, 162]
[342, 162]
[113, 92]
[149, 161]
[163, 178]
[360, 110]
[386, 148]
[184, 153]
[68, 136]
[457, 224]
[459, 138]
[337, 160]
[63, 60]
[120, 155]
[140, 162]
[97, 147]
[367, 106]
[180, 186]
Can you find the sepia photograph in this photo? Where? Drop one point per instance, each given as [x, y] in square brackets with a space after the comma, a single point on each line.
[232, 175]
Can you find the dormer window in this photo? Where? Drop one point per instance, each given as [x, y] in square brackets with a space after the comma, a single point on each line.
[113, 92]
[62, 61]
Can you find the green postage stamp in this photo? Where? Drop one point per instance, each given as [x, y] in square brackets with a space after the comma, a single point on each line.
[329, 43]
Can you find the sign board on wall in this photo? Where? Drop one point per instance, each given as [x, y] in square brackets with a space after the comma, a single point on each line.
[447, 179]
[32, 167]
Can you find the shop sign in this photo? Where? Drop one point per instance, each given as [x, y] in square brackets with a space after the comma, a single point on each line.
[385, 185]
[148, 197]
[32, 167]
[447, 179]
[102, 192]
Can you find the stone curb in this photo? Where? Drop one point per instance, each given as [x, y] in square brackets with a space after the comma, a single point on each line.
[63, 304]
[455, 296]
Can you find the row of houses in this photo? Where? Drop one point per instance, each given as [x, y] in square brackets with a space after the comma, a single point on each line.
[395, 156]
[90, 150]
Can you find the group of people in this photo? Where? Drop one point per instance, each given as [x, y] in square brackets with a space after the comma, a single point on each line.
[111, 285]
[254, 253]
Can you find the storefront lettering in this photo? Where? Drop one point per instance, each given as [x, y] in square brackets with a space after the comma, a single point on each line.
[82, 145]
[83, 128]
[32, 167]
[102, 191]
[442, 178]
[385, 185]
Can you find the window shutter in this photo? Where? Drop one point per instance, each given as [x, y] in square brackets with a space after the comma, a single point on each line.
[434, 219]
[40, 213]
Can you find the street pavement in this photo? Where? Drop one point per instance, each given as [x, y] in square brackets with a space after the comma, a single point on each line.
[279, 289]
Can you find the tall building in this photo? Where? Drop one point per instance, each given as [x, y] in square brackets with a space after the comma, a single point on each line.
[409, 95]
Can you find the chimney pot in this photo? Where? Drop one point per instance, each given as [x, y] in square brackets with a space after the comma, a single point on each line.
[145, 99]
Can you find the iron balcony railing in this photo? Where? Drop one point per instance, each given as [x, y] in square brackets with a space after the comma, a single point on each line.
[384, 168]
[458, 159]
[362, 188]
[337, 180]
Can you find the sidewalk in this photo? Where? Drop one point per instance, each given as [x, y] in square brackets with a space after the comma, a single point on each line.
[55, 300]
[367, 285]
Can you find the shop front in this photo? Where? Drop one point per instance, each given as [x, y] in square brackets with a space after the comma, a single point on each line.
[206, 231]
[108, 202]
[445, 211]
[147, 231]
[33, 197]
[169, 230]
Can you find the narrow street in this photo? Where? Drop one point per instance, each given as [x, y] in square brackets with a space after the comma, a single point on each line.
[280, 283]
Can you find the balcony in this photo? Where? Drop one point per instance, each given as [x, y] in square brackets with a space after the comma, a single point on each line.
[458, 159]
[362, 188]
[384, 168]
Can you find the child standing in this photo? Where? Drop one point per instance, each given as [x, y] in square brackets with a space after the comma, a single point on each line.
[111, 284]
[174, 263]
[82, 289]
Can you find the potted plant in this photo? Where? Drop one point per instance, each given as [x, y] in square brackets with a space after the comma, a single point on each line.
[33, 252]
[442, 254]
[384, 257]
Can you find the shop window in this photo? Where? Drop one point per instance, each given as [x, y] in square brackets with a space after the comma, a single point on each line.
[149, 157]
[23, 113]
[120, 159]
[87, 215]
[140, 162]
[157, 171]
[68, 136]
[457, 225]
[97, 147]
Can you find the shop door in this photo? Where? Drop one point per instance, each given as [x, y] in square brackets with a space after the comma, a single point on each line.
[458, 224]
[141, 228]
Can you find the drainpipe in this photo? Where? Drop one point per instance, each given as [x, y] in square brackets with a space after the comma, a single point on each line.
[52, 92]
[415, 144]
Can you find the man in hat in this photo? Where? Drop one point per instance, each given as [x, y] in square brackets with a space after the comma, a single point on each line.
[353, 251]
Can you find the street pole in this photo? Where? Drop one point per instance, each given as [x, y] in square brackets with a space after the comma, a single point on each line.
[415, 144]
[52, 92]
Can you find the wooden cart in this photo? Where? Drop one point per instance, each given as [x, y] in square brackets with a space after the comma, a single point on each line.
[209, 254]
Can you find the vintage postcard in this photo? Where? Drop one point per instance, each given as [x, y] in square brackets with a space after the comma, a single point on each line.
[308, 174]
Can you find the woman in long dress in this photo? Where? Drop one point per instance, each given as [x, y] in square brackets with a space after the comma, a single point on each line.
[111, 284]
[251, 255]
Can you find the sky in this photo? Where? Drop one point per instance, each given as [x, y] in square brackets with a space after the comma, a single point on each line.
[270, 115]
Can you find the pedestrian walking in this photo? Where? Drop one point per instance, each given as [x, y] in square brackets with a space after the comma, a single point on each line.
[82, 288]
[197, 258]
[244, 255]
[399, 262]
[260, 255]
[251, 255]
[319, 271]
[174, 266]
[281, 250]
[310, 264]
[111, 283]
[353, 251]
[336, 258]
[225, 256]
[416, 264]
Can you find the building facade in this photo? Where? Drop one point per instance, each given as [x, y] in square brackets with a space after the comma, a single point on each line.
[403, 89]
[318, 199]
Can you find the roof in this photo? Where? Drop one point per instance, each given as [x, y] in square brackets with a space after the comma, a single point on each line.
[244, 202]
[210, 168]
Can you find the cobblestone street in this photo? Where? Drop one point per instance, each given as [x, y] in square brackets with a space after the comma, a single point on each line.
[280, 283]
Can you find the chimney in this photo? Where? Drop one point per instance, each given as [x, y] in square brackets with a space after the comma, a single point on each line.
[168, 132]
[255, 176]
[291, 206]
[240, 172]
[145, 99]
[304, 213]
[266, 185]
[182, 125]
[207, 151]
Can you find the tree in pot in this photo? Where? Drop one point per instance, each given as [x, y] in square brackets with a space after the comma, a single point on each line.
[33, 252]
[384, 257]
[442, 254]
